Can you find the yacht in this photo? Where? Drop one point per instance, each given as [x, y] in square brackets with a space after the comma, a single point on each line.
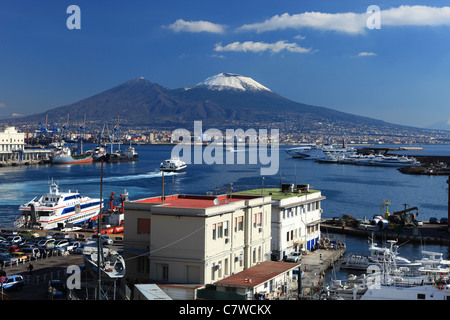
[55, 209]
[174, 164]
[313, 152]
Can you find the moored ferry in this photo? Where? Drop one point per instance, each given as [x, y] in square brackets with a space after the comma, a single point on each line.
[56, 209]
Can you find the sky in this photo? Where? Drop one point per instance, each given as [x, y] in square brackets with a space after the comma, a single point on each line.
[388, 60]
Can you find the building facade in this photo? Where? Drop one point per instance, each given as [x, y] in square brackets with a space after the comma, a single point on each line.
[195, 239]
[295, 220]
[12, 143]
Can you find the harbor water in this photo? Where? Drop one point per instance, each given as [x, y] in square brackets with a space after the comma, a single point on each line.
[359, 191]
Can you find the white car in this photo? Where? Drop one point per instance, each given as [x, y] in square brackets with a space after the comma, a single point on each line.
[104, 238]
[294, 257]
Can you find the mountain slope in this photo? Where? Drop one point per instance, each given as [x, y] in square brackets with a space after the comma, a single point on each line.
[222, 100]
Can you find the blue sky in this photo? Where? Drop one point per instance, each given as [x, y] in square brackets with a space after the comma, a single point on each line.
[316, 52]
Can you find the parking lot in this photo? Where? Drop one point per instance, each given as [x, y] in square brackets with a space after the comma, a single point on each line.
[45, 268]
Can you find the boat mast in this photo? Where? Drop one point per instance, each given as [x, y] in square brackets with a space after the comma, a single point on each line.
[99, 232]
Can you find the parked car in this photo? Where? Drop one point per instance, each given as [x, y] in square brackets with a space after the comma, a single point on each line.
[61, 235]
[20, 255]
[294, 257]
[61, 243]
[104, 238]
[444, 221]
[14, 282]
[28, 234]
[14, 239]
[433, 220]
[32, 252]
[7, 259]
[47, 243]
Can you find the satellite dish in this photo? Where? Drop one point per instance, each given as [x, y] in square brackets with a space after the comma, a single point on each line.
[216, 202]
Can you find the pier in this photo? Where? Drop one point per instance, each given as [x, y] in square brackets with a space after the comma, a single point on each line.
[426, 234]
[314, 264]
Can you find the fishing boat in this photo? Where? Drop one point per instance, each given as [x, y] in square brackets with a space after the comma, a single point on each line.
[112, 264]
[174, 164]
[57, 209]
[63, 155]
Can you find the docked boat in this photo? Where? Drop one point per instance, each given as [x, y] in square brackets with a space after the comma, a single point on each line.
[313, 152]
[63, 155]
[112, 264]
[99, 153]
[378, 256]
[118, 156]
[131, 153]
[57, 209]
[174, 164]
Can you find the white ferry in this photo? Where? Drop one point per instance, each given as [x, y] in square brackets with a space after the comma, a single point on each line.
[55, 209]
[173, 164]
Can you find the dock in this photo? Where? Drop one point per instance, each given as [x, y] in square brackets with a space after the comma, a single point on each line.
[428, 233]
[314, 265]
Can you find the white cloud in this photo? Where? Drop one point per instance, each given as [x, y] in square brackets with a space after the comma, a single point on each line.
[354, 23]
[344, 22]
[416, 16]
[250, 46]
[196, 26]
[366, 54]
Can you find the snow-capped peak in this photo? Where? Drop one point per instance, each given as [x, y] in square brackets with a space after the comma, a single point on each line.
[231, 81]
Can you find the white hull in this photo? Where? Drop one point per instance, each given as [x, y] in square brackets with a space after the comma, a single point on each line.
[112, 263]
[425, 292]
[172, 165]
[56, 209]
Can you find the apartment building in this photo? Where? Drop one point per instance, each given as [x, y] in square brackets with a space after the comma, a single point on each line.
[195, 239]
[295, 219]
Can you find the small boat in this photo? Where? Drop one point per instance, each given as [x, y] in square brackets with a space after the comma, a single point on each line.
[63, 155]
[112, 263]
[99, 153]
[174, 164]
[131, 153]
[118, 156]
[57, 209]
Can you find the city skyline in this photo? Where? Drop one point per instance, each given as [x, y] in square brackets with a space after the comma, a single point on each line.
[316, 52]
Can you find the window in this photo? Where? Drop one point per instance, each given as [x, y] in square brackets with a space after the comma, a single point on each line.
[214, 231]
[257, 219]
[239, 224]
[143, 226]
[220, 230]
[225, 228]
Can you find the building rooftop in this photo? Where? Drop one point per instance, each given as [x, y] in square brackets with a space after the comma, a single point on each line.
[257, 274]
[195, 201]
[275, 193]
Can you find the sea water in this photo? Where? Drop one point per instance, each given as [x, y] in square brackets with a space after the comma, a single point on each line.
[359, 191]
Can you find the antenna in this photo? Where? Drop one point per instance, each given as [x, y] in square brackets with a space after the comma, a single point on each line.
[216, 202]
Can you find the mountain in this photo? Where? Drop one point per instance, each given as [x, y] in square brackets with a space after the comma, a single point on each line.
[441, 125]
[230, 81]
[225, 100]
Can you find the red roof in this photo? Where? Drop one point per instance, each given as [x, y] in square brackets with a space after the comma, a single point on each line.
[190, 201]
[258, 274]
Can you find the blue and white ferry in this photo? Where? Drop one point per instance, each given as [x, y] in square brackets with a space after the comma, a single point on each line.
[57, 209]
